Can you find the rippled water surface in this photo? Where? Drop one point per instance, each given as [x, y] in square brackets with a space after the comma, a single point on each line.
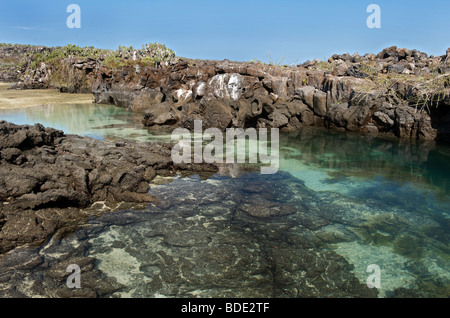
[339, 203]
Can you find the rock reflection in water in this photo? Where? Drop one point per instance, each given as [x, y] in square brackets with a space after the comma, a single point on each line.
[344, 155]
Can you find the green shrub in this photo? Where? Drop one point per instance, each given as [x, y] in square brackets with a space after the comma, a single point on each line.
[153, 54]
[147, 60]
[113, 61]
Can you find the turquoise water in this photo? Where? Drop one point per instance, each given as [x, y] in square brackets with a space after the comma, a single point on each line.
[340, 201]
[95, 121]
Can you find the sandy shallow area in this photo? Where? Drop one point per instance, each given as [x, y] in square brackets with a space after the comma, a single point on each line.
[14, 99]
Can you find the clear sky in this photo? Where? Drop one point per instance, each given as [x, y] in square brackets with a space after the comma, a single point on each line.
[239, 30]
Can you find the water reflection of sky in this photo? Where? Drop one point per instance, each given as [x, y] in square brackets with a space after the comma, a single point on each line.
[95, 121]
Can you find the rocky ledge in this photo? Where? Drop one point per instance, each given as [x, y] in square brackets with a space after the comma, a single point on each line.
[48, 179]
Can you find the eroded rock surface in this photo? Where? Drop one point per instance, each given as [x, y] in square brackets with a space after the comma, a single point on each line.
[46, 177]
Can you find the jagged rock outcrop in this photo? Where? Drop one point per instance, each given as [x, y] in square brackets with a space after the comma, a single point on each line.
[234, 94]
[46, 178]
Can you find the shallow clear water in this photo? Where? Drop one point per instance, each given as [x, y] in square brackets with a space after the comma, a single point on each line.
[339, 203]
[92, 120]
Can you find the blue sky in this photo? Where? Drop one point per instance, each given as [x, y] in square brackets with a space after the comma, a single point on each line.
[238, 30]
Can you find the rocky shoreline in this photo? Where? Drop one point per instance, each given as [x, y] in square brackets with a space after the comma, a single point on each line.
[49, 179]
[254, 236]
[400, 92]
[52, 184]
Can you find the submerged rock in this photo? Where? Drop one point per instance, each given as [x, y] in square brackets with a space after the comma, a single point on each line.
[201, 246]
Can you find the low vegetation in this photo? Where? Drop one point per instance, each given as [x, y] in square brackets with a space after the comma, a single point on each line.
[421, 91]
[31, 57]
[153, 54]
